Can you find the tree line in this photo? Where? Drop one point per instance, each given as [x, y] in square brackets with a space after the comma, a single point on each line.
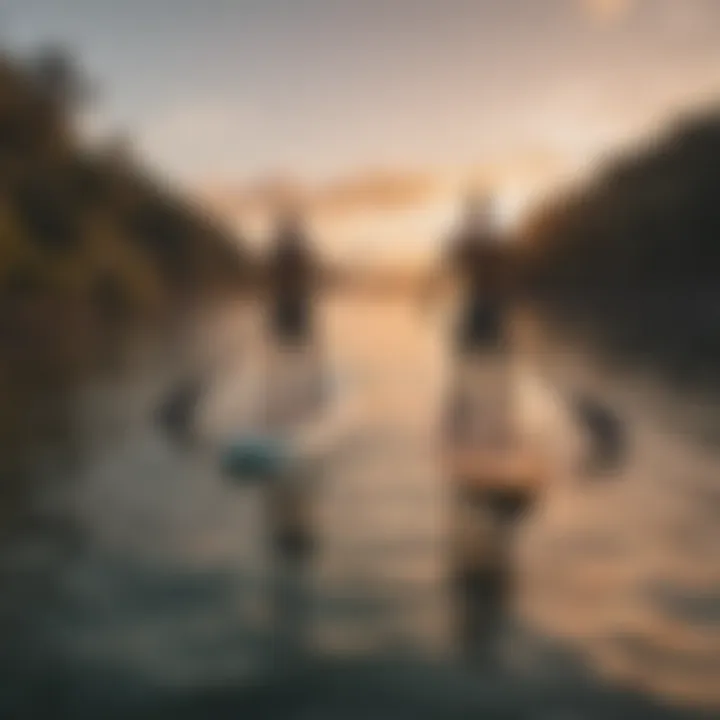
[634, 254]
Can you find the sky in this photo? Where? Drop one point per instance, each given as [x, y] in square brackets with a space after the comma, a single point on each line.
[379, 112]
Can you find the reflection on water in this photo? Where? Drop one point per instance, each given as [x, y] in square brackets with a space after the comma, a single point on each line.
[169, 599]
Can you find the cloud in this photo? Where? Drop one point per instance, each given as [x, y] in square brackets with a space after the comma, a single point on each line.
[375, 191]
[388, 213]
[607, 12]
[347, 196]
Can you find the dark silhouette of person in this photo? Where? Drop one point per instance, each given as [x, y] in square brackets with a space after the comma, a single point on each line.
[292, 270]
[480, 262]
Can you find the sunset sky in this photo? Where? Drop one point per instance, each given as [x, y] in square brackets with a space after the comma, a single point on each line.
[378, 111]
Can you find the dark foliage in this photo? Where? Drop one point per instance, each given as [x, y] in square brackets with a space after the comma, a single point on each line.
[635, 255]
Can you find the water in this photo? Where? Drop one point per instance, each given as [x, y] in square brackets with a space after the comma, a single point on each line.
[160, 596]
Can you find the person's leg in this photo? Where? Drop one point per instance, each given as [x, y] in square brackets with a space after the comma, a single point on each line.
[480, 574]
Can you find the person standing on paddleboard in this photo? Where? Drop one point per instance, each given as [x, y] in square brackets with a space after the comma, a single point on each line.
[296, 360]
[292, 270]
[479, 262]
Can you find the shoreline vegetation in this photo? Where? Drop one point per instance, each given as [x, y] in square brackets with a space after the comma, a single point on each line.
[631, 260]
[94, 251]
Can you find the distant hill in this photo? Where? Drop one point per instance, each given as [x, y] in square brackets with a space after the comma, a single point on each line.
[635, 254]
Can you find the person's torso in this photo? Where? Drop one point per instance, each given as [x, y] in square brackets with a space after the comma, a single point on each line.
[291, 271]
[481, 266]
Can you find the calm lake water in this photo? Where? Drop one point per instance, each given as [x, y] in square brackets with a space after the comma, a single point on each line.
[158, 596]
